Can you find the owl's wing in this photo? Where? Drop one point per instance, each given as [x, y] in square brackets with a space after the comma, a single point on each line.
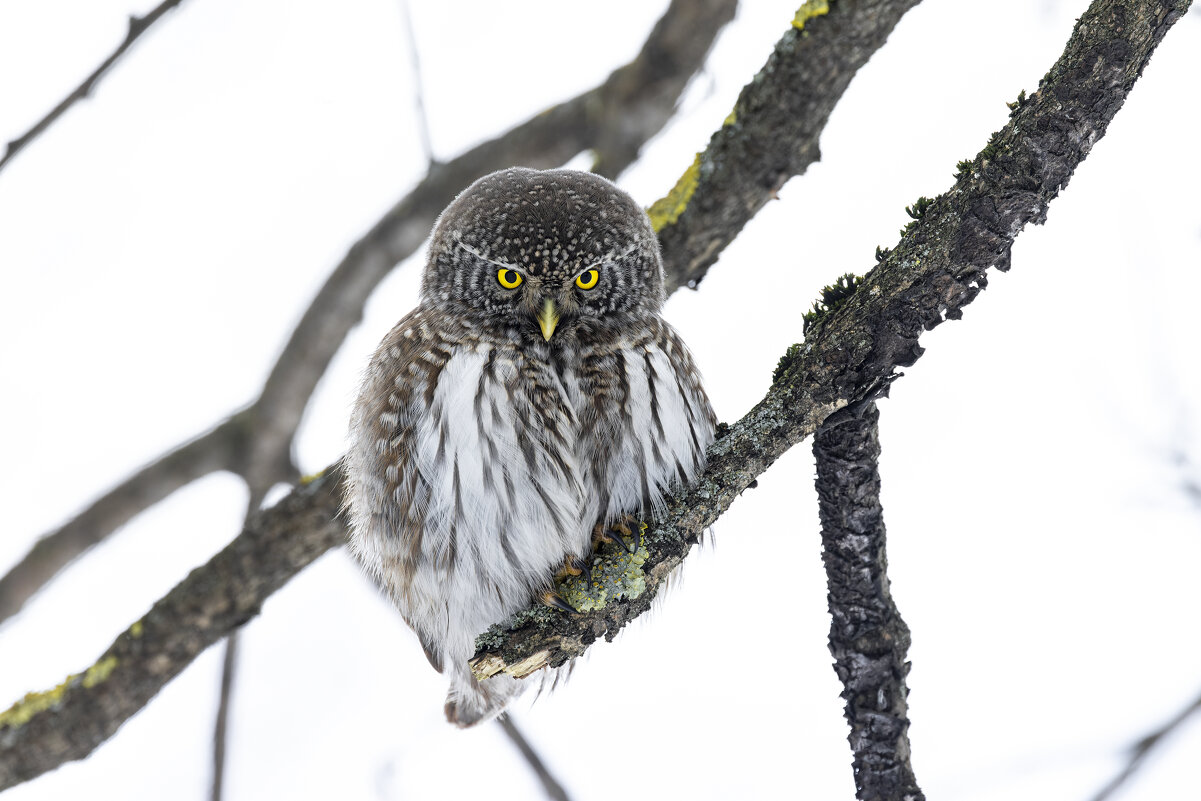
[647, 421]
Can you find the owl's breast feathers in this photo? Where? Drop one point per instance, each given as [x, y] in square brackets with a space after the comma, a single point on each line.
[489, 465]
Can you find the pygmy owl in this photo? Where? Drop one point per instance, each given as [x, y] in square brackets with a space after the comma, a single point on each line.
[533, 394]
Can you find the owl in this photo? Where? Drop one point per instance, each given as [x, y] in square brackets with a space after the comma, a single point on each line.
[533, 397]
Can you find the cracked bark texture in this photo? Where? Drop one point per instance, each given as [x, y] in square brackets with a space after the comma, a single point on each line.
[850, 355]
[868, 638]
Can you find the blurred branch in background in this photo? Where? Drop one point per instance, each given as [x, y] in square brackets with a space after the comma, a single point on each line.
[550, 784]
[137, 27]
[615, 119]
[868, 638]
[1143, 748]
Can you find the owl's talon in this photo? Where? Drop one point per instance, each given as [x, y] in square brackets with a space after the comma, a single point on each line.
[553, 599]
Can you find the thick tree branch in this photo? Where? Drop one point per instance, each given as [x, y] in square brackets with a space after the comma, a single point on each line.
[852, 354]
[939, 266]
[615, 119]
[772, 133]
[137, 27]
[868, 638]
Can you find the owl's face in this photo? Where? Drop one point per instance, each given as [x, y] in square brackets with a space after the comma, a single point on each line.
[548, 255]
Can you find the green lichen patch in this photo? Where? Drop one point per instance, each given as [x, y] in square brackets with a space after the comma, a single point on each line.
[808, 10]
[615, 574]
[32, 704]
[667, 209]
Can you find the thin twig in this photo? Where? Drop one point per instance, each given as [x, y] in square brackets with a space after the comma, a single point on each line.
[868, 638]
[137, 27]
[550, 784]
[423, 123]
[228, 668]
[1141, 749]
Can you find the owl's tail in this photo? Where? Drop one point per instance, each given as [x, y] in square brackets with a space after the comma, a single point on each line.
[470, 702]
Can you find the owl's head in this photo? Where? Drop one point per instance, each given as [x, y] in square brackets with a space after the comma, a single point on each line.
[551, 254]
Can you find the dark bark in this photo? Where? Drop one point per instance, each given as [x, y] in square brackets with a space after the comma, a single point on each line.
[772, 133]
[868, 638]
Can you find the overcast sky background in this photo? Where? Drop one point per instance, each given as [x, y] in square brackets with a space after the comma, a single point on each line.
[159, 243]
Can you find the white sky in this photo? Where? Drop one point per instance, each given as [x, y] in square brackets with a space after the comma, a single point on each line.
[158, 244]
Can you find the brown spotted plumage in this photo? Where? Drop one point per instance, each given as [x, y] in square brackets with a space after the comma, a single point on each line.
[533, 393]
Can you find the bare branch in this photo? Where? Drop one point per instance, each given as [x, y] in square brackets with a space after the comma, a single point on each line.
[771, 134]
[614, 119]
[210, 452]
[1140, 750]
[137, 27]
[220, 728]
[46, 729]
[550, 784]
[868, 638]
[939, 267]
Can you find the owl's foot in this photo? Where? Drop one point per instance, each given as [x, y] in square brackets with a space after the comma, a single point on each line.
[620, 526]
[553, 599]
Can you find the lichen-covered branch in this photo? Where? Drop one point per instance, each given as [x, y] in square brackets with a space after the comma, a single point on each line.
[853, 352]
[772, 133]
[614, 120]
[137, 27]
[868, 638]
[46, 729]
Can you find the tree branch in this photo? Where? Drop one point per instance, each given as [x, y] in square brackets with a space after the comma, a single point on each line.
[615, 119]
[938, 268]
[851, 355]
[868, 638]
[772, 133]
[137, 27]
[1141, 749]
[550, 784]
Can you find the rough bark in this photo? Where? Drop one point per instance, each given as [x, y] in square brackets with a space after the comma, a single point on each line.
[772, 133]
[868, 638]
[850, 355]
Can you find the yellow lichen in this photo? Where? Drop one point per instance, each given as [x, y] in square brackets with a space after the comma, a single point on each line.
[135, 630]
[615, 574]
[24, 710]
[731, 118]
[99, 672]
[667, 209]
[808, 10]
[310, 478]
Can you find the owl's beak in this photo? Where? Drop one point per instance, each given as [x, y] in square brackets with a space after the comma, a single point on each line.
[548, 318]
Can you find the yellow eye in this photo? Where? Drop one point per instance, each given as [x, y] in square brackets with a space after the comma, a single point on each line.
[509, 279]
[587, 279]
